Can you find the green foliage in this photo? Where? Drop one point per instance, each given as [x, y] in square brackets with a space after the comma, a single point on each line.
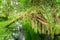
[29, 32]
[47, 8]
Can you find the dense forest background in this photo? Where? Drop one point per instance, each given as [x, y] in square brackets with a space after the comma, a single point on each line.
[33, 19]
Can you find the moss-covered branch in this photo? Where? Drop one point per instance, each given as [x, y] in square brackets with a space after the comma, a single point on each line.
[18, 16]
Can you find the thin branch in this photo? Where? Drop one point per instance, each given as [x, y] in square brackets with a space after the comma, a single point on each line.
[18, 17]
